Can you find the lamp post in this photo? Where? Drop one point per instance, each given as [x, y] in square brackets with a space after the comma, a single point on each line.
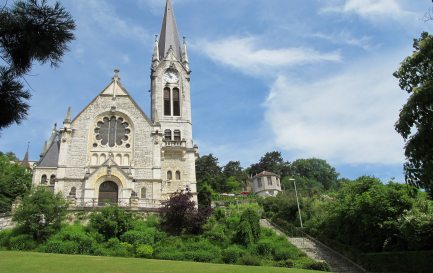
[297, 201]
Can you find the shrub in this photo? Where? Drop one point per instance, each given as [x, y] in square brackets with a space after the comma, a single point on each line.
[217, 235]
[201, 255]
[144, 251]
[250, 260]
[285, 263]
[41, 213]
[111, 221]
[284, 252]
[113, 247]
[141, 237]
[71, 240]
[22, 242]
[231, 254]
[264, 247]
[248, 230]
[5, 236]
[322, 266]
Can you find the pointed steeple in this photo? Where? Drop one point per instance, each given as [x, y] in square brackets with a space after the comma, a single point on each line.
[185, 60]
[169, 36]
[25, 162]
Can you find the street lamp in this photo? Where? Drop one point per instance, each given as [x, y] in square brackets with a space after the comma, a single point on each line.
[297, 201]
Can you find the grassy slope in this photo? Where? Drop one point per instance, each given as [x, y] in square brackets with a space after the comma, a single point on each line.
[11, 262]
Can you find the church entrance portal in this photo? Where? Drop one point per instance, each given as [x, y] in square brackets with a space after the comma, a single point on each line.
[108, 193]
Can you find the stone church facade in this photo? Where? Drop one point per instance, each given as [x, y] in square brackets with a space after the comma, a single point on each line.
[112, 152]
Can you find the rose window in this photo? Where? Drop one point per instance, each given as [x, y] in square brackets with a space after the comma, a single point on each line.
[112, 131]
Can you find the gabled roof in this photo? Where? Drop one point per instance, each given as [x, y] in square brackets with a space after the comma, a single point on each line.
[169, 36]
[265, 173]
[115, 88]
[51, 156]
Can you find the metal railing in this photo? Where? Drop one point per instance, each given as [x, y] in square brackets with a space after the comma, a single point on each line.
[121, 202]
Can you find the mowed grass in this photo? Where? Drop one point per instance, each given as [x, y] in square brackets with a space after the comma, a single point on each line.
[32, 262]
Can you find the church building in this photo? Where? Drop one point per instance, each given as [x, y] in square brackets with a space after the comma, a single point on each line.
[112, 152]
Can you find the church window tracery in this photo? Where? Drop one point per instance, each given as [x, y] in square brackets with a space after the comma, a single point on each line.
[113, 131]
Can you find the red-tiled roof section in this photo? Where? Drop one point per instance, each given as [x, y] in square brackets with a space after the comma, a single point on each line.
[265, 173]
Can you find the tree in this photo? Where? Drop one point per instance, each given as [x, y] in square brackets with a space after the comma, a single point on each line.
[41, 213]
[204, 196]
[208, 172]
[30, 31]
[248, 230]
[271, 162]
[316, 169]
[15, 181]
[416, 117]
[179, 215]
[111, 221]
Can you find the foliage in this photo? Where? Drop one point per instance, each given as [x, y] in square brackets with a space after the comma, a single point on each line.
[15, 181]
[30, 31]
[414, 124]
[233, 185]
[41, 213]
[144, 251]
[21, 242]
[271, 162]
[71, 240]
[317, 170]
[232, 254]
[364, 214]
[179, 215]
[248, 230]
[249, 259]
[204, 196]
[111, 221]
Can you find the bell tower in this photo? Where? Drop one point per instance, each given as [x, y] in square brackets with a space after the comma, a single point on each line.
[171, 104]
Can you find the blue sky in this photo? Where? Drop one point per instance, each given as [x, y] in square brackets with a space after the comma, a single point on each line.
[307, 78]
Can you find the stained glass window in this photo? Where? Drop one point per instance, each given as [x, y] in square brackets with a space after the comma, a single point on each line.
[112, 131]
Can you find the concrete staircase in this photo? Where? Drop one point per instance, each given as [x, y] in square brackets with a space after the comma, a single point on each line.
[318, 251]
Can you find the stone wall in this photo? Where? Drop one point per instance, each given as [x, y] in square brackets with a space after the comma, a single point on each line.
[6, 222]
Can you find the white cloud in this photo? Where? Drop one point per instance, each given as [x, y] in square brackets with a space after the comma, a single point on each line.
[347, 118]
[368, 8]
[245, 54]
[346, 38]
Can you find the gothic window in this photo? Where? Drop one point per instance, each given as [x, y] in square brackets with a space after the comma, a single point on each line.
[176, 135]
[259, 182]
[143, 193]
[43, 179]
[269, 181]
[52, 179]
[177, 175]
[176, 102]
[167, 102]
[167, 134]
[112, 131]
[169, 175]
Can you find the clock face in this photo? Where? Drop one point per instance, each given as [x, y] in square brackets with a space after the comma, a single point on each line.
[170, 76]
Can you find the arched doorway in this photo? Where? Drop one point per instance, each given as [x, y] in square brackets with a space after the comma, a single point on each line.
[108, 193]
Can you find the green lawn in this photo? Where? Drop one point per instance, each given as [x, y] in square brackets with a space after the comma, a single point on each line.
[32, 262]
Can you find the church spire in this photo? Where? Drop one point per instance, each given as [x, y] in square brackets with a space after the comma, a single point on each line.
[25, 162]
[169, 36]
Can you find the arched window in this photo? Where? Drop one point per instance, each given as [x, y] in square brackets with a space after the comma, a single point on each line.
[52, 179]
[177, 175]
[169, 175]
[167, 102]
[44, 179]
[167, 134]
[176, 102]
[176, 134]
[143, 193]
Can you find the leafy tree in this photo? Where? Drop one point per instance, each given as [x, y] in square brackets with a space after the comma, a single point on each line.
[179, 214]
[30, 30]
[111, 221]
[248, 230]
[416, 117]
[208, 172]
[41, 213]
[317, 170]
[271, 162]
[15, 181]
[204, 196]
[233, 185]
